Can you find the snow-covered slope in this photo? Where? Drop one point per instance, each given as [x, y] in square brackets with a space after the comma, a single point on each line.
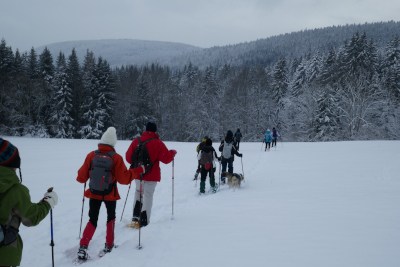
[303, 204]
[120, 52]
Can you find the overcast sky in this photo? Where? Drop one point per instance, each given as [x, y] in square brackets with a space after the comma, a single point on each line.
[204, 23]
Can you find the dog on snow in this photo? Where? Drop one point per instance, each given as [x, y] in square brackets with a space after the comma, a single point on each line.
[234, 179]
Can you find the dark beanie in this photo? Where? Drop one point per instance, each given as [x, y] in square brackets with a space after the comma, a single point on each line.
[208, 142]
[9, 156]
[151, 126]
[229, 136]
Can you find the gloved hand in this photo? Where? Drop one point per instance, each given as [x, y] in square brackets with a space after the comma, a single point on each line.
[51, 198]
[240, 155]
[139, 170]
[219, 159]
[174, 151]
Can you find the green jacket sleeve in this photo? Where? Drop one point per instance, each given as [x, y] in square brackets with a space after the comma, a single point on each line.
[30, 214]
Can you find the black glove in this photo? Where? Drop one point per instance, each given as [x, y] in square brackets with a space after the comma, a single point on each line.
[240, 155]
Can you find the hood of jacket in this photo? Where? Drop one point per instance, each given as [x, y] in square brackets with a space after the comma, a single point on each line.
[147, 135]
[207, 149]
[8, 178]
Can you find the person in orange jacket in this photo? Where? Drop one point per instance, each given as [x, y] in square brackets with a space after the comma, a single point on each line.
[120, 174]
[157, 152]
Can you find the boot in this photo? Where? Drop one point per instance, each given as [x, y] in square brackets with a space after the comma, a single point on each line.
[143, 219]
[82, 253]
[202, 187]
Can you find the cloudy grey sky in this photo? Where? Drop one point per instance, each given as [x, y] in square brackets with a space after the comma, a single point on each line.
[203, 23]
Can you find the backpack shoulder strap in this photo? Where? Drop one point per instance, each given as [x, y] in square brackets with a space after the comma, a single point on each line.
[148, 140]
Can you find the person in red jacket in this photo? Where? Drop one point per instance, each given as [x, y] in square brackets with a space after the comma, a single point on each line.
[119, 174]
[157, 152]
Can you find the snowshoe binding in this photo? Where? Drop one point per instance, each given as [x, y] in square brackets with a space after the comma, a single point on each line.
[105, 250]
[134, 223]
[82, 255]
[213, 189]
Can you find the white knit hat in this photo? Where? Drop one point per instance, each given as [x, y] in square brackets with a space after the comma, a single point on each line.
[109, 137]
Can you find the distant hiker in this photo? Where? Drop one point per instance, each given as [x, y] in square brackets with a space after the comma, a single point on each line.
[268, 139]
[238, 137]
[207, 158]
[16, 206]
[228, 149]
[275, 135]
[199, 147]
[157, 152]
[105, 168]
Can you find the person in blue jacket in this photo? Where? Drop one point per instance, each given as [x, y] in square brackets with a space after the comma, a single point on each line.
[268, 139]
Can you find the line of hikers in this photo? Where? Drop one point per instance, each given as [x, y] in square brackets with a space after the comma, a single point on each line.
[207, 158]
[270, 138]
[103, 169]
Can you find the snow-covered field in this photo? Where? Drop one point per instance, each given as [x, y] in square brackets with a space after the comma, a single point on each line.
[303, 204]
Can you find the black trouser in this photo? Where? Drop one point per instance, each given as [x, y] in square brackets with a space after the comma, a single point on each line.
[238, 143]
[274, 141]
[267, 144]
[94, 209]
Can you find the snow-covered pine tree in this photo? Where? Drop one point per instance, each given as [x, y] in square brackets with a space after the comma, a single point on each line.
[92, 125]
[61, 120]
[106, 93]
[74, 75]
[280, 87]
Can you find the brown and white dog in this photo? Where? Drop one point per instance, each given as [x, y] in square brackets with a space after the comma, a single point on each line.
[234, 179]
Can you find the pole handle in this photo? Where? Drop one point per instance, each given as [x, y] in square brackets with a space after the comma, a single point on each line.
[50, 189]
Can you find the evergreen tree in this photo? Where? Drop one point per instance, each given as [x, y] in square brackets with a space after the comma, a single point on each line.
[106, 94]
[326, 123]
[92, 125]
[46, 67]
[74, 75]
[61, 120]
[280, 86]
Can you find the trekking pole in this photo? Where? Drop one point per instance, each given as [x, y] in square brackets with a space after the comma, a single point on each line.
[219, 187]
[173, 162]
[139, 246]
[281, 142]
[126, 200]
[51, 223]
[262, 144]
[83, 203]
[241, 159]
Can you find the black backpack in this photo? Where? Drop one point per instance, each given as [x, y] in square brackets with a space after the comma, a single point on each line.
[206, 157]
[141, 156]
[100, 173]
[8, 234]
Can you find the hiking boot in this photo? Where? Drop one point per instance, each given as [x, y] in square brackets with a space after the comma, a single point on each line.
[82, 253]
[107, 249]
[213, 189]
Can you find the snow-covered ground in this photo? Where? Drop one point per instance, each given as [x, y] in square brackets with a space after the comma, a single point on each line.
[303, 204]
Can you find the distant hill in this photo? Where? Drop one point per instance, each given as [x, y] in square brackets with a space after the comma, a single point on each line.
[265, 52]
[120, 52]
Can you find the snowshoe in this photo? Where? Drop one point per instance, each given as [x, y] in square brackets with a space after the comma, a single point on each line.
[105, 250]
[134, 223]
[213, 189]
[82, 255]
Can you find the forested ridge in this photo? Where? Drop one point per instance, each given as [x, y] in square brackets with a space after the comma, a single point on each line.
[347, 91]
